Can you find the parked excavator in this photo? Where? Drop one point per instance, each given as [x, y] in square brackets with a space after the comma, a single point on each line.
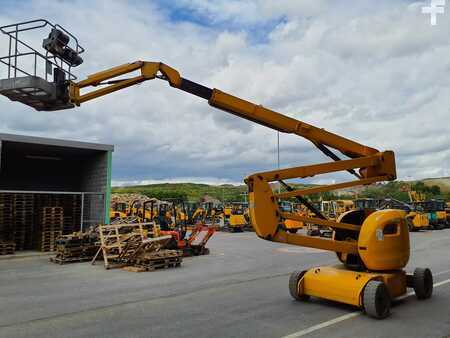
[415, 217]
[237, 221]
[373, 247]
[118, 210]
[291, 225]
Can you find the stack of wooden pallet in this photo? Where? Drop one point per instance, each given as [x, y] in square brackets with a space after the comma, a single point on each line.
[6, 217]
[72, 214]
[153, 260]
[7, 248]
[71, 205]
[77, 247]
[149, 254]
[126, 245]
[114, 238]
[51, 227]
[23, 206]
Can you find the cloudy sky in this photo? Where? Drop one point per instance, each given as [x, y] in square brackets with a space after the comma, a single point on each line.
[374, 71]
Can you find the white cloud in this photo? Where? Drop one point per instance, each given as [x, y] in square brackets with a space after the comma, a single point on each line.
[375, 72]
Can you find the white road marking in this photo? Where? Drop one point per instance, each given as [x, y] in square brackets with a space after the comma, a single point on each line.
[441, 283]
[322, 325]
[339, 319]
[441, 272]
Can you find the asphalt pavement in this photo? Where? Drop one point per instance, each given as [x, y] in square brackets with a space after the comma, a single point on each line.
[239, 290]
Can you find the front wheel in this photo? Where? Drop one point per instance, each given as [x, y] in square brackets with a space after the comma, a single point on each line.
[294, 279]
[376, 299]
[423, 283]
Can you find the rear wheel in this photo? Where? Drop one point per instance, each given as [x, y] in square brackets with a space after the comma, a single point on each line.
[423, 283]
[376, 299]
[294, 279]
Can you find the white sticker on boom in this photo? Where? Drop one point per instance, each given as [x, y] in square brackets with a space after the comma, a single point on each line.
[379, 234]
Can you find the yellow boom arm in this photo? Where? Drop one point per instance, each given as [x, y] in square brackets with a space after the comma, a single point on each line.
[368, 164]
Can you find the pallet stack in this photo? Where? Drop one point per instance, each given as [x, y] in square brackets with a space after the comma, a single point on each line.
[6, 217]
[72, 214]
[7, 248]
[77, 247]
[51, 227]
[149, 254]
[161, 259]
[71, 205]
[23, 206]
[114, 238]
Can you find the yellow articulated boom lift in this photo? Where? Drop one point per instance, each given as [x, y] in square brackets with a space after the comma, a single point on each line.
[372, 247]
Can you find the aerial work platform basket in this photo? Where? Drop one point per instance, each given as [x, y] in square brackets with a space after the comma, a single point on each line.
[33, 78]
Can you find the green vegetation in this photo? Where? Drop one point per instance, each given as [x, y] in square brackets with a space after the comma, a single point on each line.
[232, 193]
[395, 190]
[187, 191]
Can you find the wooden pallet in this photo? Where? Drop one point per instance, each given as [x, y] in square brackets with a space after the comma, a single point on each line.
[20, 210]
[172, 260]
[76, 247]
[7, 252]
[51, 220]
[113, 239]
[7, 248]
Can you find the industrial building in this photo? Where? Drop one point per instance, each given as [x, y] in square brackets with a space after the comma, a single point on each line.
[70, 181]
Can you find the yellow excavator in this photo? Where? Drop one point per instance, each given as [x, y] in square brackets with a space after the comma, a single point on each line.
[237, 221]
[118, 210]
[373, 247]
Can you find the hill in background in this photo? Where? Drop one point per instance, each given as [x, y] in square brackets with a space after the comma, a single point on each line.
[438, 188]
[443, 183]
[187, 191]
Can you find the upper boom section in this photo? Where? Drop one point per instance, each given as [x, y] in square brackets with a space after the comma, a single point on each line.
[216, 98]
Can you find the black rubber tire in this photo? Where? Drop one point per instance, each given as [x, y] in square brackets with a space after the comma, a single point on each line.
[292, 231]
[423, 283]
[313, 233]
[410, 224]
[326, 234]
[293, 283]
[376, 299]
[440, 226]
